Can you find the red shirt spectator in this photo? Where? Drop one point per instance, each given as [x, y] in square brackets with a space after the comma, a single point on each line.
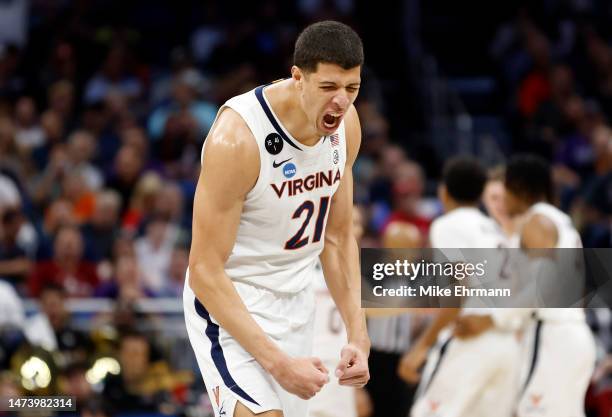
[408, 187]
[67, 268]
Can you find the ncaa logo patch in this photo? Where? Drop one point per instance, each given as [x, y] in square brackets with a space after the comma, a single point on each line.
[336, 156]
[289, 170]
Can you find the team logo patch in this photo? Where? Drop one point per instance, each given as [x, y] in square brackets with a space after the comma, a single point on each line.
[336, 156]
[535, 399]
[535, 405]
[274, 143]
[289, 170]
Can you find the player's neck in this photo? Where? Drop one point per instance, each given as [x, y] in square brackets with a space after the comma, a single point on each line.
[285, 103]
[454, 205]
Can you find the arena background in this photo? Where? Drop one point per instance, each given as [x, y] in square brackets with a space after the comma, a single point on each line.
[104, 106]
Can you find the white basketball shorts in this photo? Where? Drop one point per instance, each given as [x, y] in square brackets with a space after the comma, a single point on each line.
[230, 373]
[560, 361]
[475, 377]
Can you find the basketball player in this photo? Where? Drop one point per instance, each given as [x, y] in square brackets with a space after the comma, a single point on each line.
[474, 371]
[275, 185]
[563, 353]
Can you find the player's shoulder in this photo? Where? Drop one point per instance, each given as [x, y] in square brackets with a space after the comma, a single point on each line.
[454, 218]
[231, 134]
[539, 231]
[231, 155]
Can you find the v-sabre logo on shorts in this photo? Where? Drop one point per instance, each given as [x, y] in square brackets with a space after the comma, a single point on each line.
[289, 170]
[535, 405]
[310, 182]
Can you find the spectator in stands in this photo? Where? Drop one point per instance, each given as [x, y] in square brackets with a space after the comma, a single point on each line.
[12, 83]
[61, 100]
[67, 267]
[175, 280]
[53, 329]
[114, 76]
[58, 214]
[408, 187]
[128, 166]
[48, 184]
[14, 262]
[73, 382]
[9, 158]
[194, 116]
[127, 283]
[131, 390]
[535, 86]
[101, 231]
[80, 152]
[142, 204]
[29, 134]
[12, 313]
[169, 202]
[54, 131]
[154, 251]
[74, 189]
[493, 201]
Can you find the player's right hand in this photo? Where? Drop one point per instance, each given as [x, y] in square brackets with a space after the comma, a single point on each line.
[303, 377]
[411, 362]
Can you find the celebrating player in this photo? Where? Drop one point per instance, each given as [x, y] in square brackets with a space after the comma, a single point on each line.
[275, 195]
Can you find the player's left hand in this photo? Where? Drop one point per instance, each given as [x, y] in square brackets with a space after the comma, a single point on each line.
[472, 325]
[352, 370]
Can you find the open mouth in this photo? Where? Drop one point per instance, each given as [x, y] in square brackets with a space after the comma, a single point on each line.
[331, 121]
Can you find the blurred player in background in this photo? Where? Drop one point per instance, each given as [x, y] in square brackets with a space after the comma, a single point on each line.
[562, 350]
[474, 369]
[274, 196]
[333, 400]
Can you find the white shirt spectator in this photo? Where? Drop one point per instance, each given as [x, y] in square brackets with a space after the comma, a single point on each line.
[11, 308]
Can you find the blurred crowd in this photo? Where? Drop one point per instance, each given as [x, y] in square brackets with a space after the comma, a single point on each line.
[104, 107]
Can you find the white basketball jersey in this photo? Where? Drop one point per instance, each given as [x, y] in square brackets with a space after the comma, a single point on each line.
[469, 228]
[463, 228]
[282, 225]
[568, 237]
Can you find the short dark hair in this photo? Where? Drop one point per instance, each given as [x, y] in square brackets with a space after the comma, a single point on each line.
[464, 178]
[328, 42]
[529, 176]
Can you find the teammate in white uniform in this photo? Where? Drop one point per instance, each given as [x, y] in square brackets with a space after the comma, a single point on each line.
[562, 356]
[473, 372]
[329, 337]
[275, 185]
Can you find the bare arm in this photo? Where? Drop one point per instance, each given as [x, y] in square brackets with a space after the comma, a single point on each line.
[412, 360]
[538, 233]
[340, 256]
[340, 262]
[230, 170]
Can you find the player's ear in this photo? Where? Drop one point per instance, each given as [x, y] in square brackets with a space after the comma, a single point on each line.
[298, 76]
[442, 193]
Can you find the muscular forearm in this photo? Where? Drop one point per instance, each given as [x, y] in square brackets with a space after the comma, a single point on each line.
[341, 269]
[219, 296]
